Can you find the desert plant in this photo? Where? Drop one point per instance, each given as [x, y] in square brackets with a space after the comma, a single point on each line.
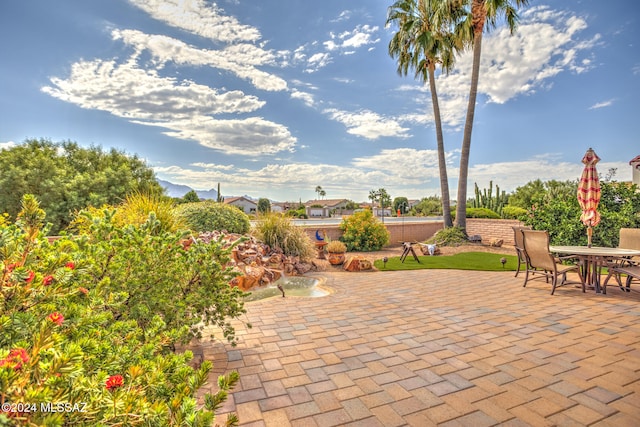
[68, 333]
[137, 207]
[336, 247]
[452, 236]
[486, 199]
[210, 216]
[277, 231]
[363, 232]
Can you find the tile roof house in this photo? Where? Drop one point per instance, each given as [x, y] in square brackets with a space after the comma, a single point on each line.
[248, 206]
[635, 164]
[323, 208]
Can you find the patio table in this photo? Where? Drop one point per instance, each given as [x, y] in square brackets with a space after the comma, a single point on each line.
[593, 259]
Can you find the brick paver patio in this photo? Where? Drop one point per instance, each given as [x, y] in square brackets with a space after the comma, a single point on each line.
[436, 347]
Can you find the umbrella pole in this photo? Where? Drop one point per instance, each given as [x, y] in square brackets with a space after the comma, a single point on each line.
[589, 234]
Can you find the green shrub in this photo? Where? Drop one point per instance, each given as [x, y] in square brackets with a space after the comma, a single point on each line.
[92, 322]
[210, 216]
[513, 212]
[363, 232]
[619, 207]
[481, 213]
[451, 236]
[277, 231]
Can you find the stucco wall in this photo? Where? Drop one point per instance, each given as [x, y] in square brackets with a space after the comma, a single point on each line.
[488, 229]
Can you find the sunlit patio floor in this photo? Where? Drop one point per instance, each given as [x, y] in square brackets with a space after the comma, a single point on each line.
[437, 347]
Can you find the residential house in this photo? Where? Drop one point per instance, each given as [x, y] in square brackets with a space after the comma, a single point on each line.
[248, 206]
[635, 164]
[324, 208]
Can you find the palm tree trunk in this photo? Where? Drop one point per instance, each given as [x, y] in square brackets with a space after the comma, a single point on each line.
[461, 208]
[442, 164]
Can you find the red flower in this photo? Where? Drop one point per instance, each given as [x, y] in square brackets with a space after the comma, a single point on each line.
[114, 381]
[56, 318]
[70, 265]
[83, 290]
[30, 276]
[47, 280]
[15, 359]
[11, 267]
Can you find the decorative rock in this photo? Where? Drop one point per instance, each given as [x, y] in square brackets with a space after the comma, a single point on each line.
[257, 263]
[357, 263]
[497, 242]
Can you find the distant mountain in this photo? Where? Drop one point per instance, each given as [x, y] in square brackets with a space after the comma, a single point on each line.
[178, 190]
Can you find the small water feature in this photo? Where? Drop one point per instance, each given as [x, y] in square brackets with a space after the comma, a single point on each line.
[293, 287]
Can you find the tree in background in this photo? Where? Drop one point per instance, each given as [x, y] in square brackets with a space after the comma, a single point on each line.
[481, 15]
[67, 178]
[321, 192]
[428, 206]
[264, 205]
[401, 203]
[422, 42]
[191, 197]
[380, 195]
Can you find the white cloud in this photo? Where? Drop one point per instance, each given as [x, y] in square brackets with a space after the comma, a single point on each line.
[305, 97]
[602, 104]
[362, 35]
[7, 145]
[199, 18]
[368, 124]
[403, 172]
[239, 59]
[317, 61]
[183, 107]
[547, 43]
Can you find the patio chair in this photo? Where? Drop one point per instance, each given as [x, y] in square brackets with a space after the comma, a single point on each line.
[541, 261]
[518, 240]
[632, 271]
[629, 239]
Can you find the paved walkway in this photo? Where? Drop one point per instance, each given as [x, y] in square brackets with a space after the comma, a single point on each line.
[436, 347]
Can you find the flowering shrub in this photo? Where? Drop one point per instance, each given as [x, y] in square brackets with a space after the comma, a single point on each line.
[363, 232]
[88, 326]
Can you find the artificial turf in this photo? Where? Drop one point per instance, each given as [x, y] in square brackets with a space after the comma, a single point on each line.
[482, 261]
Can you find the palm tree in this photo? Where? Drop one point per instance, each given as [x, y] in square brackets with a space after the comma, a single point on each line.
[483, 15]
[319, 190]
[421, 43]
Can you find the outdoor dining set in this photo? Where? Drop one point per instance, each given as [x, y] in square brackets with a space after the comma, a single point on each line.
[538, 257]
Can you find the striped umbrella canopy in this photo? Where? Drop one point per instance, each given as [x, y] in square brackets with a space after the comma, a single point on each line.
[589, 192]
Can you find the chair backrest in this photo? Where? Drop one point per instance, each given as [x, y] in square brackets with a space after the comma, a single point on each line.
[536, 245]
[629, 238]
[518, 240]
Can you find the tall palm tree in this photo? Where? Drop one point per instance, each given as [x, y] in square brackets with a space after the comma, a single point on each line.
[421, 43]
[483, 14]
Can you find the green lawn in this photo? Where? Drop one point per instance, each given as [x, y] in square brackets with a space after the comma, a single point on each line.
[483, 261]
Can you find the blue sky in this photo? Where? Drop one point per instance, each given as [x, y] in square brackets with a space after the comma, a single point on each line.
[274, 97]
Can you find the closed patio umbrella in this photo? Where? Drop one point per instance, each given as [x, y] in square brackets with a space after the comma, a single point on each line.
[589, 192]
